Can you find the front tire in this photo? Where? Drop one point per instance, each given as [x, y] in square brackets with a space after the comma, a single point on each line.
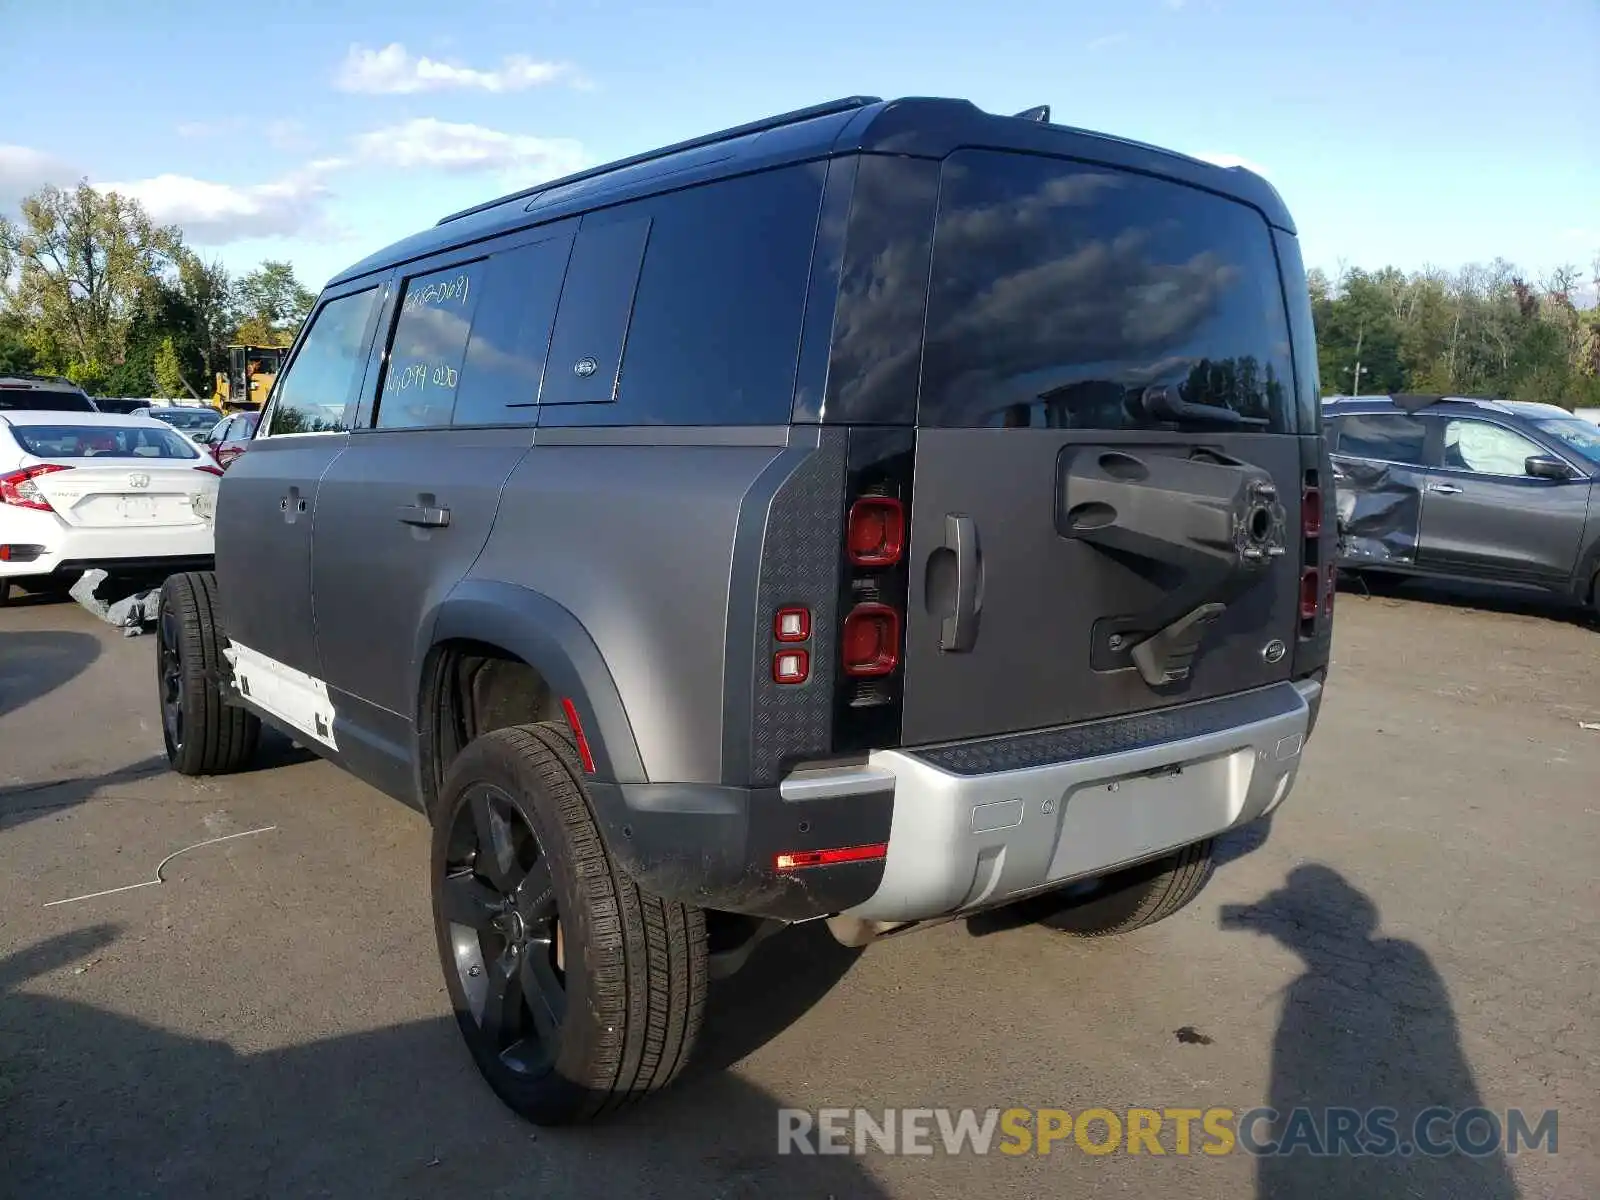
[203, 734]
[575, 991]
[1135, 897]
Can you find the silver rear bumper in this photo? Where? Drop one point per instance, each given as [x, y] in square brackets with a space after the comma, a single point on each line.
[964, 839]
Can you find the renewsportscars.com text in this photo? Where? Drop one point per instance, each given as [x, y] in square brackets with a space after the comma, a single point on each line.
[1328, 1132]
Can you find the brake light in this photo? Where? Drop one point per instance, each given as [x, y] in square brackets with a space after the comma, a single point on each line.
[871, 640]
[1310, 593]
[1311, 511]
[209, 469]
[19, 489]
[877, 531]
[796, 859]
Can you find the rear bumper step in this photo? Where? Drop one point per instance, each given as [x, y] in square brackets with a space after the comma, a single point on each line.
[966, 836]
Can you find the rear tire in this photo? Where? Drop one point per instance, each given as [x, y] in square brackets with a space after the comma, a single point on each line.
[203, 735]
[576, 992]
[1133, 898]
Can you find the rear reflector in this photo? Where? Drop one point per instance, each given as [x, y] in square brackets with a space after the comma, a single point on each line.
[19, 490]
[871, 640]
[792, 624]
[20, 553]
[791, 666]
[575, 724]
[877, 531]
[796, 859]
[1310, 593]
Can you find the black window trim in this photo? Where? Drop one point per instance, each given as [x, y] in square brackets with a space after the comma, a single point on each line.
[356, 287]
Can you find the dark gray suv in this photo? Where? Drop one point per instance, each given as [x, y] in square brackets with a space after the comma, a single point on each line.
[877, 514]
[1456, 488]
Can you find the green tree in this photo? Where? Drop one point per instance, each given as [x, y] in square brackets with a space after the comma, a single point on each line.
[272, 304]
[162, 315]
[16, 355]
[74, 268]
[168, 370]
[209, 291]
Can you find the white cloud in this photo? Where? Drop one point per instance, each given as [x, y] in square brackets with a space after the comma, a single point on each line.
[1105, 43]
[214, 214]
[1175, 5]
[394, 71]
[1223, 159]
[24, 170]
[446, 146]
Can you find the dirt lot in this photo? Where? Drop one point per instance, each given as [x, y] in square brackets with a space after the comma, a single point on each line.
[1421, 925]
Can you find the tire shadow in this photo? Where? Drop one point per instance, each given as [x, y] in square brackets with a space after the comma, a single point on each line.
[100, 1104]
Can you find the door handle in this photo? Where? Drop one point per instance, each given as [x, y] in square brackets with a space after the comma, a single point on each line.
[425, 516]
[1444, 489]
[959, 631]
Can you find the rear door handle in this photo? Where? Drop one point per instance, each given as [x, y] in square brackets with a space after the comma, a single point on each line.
[1444, 489]
[959, 631]
[424, 515]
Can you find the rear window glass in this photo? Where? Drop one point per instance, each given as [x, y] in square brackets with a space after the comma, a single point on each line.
[189, 420]
[102, 441]
[1384, 437]
[1061, 293]
[43, 400]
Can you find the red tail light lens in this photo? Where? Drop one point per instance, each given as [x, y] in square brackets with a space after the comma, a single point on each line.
[209, 469]
[1311, 512]
[1310, 593]
[791, 666]
[877, 531]
[797, 859]
[871, 640]
[792, 624]
[18, 487]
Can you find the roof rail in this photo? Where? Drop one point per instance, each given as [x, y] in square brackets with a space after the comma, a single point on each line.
[30, 377]
[845, 104]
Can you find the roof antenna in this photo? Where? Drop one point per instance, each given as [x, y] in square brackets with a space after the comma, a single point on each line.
[1039, 113]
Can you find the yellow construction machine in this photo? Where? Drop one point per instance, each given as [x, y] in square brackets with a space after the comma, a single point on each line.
[244, 386]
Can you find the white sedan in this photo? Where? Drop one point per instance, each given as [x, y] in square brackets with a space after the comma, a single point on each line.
[83, 490]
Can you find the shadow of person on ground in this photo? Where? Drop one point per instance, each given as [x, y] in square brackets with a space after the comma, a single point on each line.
[34, 663]
[1368, 1025]
[98, 1104]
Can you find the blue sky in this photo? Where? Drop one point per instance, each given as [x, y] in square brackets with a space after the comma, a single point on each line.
[1411, 132]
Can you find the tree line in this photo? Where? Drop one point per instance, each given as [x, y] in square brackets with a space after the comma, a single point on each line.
[93, 289]
[1478, 331]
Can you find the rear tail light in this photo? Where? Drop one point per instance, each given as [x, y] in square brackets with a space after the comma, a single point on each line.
[1311, 511]
[792, 624]
[209, 469]
[19, 489]
[791, 666]
[876, 534]
[1310, 593]
[871, 641]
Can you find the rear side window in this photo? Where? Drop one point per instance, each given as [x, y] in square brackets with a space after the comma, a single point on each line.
[710, 323]
[14, 399]
[313, 395]
[1384, 437]
[1061, 292]
[108, 441]
[430, 342]
[510, 339]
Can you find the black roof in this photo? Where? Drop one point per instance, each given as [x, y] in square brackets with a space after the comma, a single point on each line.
[921, 127]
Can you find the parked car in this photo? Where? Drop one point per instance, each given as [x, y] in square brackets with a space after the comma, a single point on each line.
[81, 490]
[823, 591]
[126, 405]
[1465, 489]
[42, 393]
[231, 436]
[192, 420]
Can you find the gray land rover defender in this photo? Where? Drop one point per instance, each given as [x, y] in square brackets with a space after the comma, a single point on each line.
[877, 514]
